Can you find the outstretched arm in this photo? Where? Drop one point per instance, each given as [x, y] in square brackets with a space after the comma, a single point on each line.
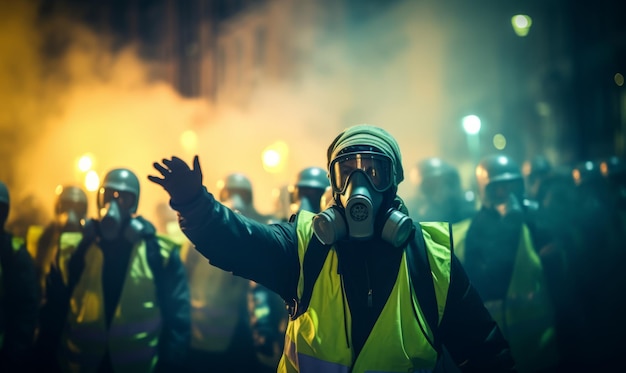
[266, 254]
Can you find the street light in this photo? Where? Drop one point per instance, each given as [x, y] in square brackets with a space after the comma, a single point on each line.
[471, 126]
[521, 24]
[274, 157]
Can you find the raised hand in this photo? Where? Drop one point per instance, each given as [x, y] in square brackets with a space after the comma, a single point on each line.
[179, 181]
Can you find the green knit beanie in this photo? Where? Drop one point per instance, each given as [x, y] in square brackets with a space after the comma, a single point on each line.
[364, 134]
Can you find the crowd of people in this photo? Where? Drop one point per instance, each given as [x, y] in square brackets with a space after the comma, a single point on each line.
[346, 275]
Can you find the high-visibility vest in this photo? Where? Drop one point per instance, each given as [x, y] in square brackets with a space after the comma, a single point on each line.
[526, 315]
[133, 335]
[319, 340]
[33, 234]
[459, 232]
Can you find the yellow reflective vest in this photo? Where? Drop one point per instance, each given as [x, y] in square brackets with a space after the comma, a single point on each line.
[526, 316]
[316, 342]
[133, 336]
[459, 232]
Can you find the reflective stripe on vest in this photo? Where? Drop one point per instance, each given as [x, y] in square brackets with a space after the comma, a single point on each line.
[396, 342]
[526, 317]
[132, 338]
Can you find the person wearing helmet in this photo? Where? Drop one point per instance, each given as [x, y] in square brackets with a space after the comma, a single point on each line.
[359, 313]
[441, 192]
[222, 317]
[535, 171]
[614, 170]
[309, 188]
[236, 193]
[122, 302]
[70, 213]
[504, 266]
[599, 261]
[18, 296]
[441, 198]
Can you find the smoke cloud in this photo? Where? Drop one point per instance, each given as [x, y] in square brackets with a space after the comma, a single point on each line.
[92, 98]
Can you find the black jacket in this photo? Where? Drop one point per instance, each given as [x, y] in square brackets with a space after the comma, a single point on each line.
[172, 293]
[19, 302]
[268, 254]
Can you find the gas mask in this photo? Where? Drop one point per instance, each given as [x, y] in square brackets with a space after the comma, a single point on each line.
[70, 215]
[112, 221]
[308, 199]
[359, 181]
[69, 221]
[510, 206]
[236, 203]
[506, 198]
[115, 215]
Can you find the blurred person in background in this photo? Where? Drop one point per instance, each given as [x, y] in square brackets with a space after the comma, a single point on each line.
[31, 213]
[502, 261]
[442, 198]
[361, 313]
[122, 302]
[222, 337]
[308, 189]
[598, 264]
[167, 226]
[70, 213]
[18, 296]
[535, 170]
[614, 170]
[559, 215]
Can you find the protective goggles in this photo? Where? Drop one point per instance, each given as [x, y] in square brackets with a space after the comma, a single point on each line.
[125, 200]
[376, 166]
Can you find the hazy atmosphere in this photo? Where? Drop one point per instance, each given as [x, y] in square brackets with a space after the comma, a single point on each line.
[71, 89]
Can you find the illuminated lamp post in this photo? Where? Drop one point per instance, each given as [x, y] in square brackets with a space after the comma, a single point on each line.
[471, 126]
[521, 24]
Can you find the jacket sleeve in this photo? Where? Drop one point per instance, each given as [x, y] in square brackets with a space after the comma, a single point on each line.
[468, 331]
[175, 305]
[264, 253]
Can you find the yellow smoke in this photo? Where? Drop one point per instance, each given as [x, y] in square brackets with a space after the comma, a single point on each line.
[92, 99]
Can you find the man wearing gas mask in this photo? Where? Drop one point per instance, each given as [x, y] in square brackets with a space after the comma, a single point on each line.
[502, 262]
[308, 189]
[70, 213]
[362, 313]
[122, 302]
[441, 198]
[222, 318]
